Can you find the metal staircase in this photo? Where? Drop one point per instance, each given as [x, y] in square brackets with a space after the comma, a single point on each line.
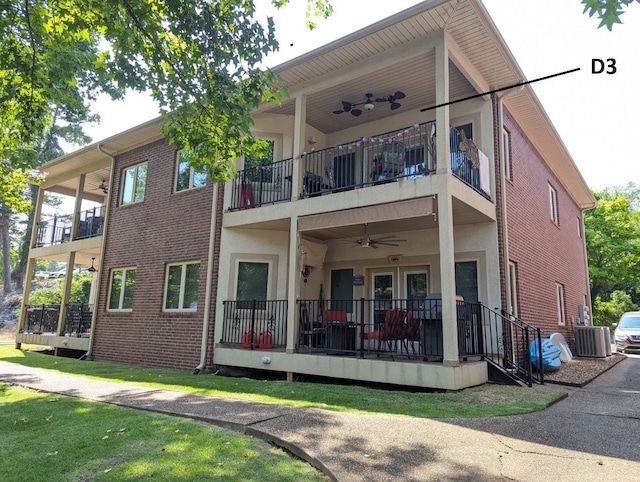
[506, 347]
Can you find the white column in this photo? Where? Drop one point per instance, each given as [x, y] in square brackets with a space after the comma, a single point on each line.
[293, 287]
[299, 145]
[445, 209]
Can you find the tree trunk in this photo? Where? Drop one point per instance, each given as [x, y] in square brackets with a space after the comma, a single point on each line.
[6, 249]
[23, 250]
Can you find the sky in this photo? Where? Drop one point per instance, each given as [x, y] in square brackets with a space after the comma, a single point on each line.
[596, 115]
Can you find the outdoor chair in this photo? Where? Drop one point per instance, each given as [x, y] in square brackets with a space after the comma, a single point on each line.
[392, 332]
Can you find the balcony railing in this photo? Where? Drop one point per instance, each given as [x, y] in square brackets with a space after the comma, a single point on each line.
[469, 164]
[57, 230]
[386, 327]
[407, 153]
[43, 319]
[78, 320]
[255, 324]
[261, 185]
[90, 223]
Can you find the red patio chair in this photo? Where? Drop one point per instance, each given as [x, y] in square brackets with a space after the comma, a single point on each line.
[391, 331]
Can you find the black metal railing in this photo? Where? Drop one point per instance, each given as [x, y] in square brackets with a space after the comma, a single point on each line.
[404, 153]
[255, 324]
[261, 185]
[90, 223]
[409, 328]
[52, 231]
[469, 171]
[57, 230]
[508, 342]
[42, 319]
[78, 320]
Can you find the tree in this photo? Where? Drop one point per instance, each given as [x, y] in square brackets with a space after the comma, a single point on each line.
[608, 312]
[200, 61]
[608, 11]
[612, 232]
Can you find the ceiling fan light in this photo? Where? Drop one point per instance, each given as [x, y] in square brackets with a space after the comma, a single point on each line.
[369, 106]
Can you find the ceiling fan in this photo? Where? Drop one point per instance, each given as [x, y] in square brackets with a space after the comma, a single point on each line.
[103, 187]
[369, 103]
[368, 242]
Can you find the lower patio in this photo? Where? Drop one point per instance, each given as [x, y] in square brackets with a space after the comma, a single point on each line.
[391, 341]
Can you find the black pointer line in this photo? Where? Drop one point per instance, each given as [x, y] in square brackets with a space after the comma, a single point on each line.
[501, 89]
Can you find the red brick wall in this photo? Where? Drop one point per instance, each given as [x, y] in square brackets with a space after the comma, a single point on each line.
[545, 253]
[166, 227]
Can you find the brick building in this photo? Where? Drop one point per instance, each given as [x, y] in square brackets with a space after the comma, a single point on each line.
[384, 240]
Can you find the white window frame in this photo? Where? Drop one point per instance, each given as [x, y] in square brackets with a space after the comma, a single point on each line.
[506, 149]
[135, 169]
[562, 321]
[192, 174]
[553, 205]
[123, 277]
[579, 225]
[513, 288]
[183, 280]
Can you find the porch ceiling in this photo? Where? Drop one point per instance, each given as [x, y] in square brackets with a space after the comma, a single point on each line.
[415, 77]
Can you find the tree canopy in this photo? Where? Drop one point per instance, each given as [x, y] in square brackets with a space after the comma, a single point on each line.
[200, 60]
[608, 11]
[612, 232]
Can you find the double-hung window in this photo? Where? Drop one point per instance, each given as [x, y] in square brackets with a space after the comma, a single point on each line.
[553, 205]
[134, 180]
[506, 147]
[121, 286]
[181, 286]
[186, 176]
[560, 301]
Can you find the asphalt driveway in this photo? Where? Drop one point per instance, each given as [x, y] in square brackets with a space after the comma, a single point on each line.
[592, 435]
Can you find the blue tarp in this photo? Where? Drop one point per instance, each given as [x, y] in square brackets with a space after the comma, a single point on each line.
[550, 355]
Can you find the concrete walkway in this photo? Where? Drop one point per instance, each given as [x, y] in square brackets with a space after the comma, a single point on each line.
[592, 435]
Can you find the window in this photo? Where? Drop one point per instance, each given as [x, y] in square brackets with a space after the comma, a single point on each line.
[417, 288]
[181, 287]
[579, 226]
[560, 298]
[186, 176]
[253, 284]
[513, 289]
[506, 146]
[252, 164]
[121, 288]
[553, 205]
[134, 180]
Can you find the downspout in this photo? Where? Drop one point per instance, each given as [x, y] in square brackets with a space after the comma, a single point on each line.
[503, 186]
[210, 265]
[105, 228]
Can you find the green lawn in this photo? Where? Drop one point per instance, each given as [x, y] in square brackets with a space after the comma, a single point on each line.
[45, 437]
[484, 401]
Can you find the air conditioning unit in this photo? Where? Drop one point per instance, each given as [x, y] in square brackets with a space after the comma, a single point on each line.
[593, 341]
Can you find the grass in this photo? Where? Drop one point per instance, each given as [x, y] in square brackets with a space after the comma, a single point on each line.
[484, 401]
[56, 438]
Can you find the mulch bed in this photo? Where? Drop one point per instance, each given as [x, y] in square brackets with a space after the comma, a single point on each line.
[581, 370]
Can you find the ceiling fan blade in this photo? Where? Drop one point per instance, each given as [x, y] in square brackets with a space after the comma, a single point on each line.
[399, 95]
[381, 99]
[387, 244]
[395, 106]
[356, 112]
[339, 111]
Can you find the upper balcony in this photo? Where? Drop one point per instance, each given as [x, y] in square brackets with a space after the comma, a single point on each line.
[395, 156]
[59, 229]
